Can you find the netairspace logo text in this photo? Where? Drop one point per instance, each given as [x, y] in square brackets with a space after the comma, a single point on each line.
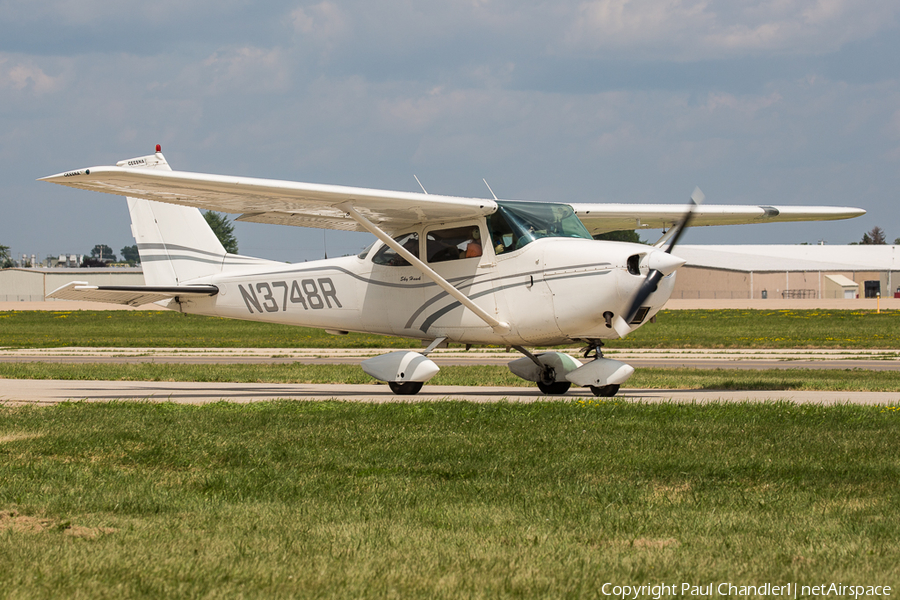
[706, 590]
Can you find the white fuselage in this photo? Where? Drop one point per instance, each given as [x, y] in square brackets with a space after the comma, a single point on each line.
[551, 291]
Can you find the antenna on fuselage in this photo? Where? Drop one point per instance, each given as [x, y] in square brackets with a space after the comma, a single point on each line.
[489, 188]
[420, 185]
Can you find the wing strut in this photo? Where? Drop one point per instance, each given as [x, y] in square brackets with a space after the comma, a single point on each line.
[499, 327]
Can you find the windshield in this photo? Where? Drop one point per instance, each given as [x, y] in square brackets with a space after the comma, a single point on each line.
[516, 224]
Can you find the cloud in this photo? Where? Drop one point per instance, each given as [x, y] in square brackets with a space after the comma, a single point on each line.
[324, 21]
[24, 76]
[711, 29]
[747, 105]
[252, 70]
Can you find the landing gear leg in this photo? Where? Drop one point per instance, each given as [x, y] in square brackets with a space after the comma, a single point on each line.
[595, 346]
[605, 391]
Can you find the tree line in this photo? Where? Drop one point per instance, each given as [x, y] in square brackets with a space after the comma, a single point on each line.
[874, 237]
[102, 255]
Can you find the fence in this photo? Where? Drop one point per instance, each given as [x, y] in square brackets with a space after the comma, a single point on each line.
[21, 298]
[790, 294]
[710, 295]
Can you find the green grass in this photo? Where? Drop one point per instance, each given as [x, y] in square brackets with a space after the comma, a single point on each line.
[490, 375]
[448, 500]
[673, 329]
[168, 329]
[767, 329]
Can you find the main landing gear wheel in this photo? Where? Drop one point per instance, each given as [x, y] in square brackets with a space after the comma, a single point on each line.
[557, 388]
[406, 388]
[607, 391]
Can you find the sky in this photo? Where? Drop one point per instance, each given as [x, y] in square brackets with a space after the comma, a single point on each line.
[793, 102]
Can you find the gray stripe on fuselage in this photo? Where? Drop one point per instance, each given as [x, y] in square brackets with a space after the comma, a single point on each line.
[428, 322]
[443, 294]
[179, 257]
[347, 272]
[434, 299]
[176, 247]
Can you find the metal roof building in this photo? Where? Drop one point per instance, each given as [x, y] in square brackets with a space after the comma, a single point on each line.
[779, 271]
[32, 285]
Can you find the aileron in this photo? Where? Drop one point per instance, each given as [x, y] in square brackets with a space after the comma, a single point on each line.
[601, 218]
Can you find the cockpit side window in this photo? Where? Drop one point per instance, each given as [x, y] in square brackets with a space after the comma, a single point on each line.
[453, 244]
[388, 257]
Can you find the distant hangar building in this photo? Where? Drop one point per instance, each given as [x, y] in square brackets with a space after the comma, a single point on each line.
[776, 271]
[31, 285]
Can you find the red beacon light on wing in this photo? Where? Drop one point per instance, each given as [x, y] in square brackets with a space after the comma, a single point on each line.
[158, 148]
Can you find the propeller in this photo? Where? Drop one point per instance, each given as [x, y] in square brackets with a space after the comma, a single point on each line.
[660, 264]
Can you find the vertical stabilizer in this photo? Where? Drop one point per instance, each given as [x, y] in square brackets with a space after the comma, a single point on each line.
[175, 242]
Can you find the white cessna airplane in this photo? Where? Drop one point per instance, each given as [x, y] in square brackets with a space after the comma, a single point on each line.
[464, 270]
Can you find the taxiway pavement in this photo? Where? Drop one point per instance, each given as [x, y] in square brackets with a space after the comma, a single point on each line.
[875, 360]
[14, 392]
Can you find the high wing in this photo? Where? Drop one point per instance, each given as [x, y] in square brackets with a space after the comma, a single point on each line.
[275, 201]
[601, 218]
[323, 206]
[128, 295]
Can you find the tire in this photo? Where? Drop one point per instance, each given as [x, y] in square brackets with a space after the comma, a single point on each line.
[607, 391]
[557, 388]
[405, 388]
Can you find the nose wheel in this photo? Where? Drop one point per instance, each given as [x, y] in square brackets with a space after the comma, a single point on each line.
[594, 350]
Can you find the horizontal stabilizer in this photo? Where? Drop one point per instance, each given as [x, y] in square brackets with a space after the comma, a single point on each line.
[129, 295]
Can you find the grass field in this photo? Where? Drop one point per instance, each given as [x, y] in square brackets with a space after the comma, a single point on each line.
[447, 500]
[673, 329]
[654, 378]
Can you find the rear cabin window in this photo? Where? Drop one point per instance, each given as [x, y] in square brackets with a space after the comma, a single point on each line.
[388, 257]
[365, 252]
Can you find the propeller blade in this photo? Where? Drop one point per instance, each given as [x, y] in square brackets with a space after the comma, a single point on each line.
[655, 275]
[647, 288]
[697, 199]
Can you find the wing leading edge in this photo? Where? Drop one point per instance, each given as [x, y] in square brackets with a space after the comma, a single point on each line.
[276, 201]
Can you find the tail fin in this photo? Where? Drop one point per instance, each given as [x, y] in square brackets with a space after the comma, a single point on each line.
[175, 242]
